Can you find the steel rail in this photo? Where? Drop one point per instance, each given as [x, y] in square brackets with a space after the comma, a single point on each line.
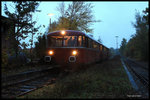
[142, 78]
[27, 85]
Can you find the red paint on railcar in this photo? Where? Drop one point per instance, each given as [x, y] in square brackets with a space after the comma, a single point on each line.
[85, 55]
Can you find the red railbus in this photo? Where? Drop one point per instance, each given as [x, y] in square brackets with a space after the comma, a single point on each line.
[70, 47]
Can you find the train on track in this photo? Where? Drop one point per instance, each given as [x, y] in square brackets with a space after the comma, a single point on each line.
[70, 48]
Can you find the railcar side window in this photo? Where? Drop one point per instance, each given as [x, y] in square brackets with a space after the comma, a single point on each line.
[93, 43]
[104, 49]
[83, 42]
[101, 47]
[95, 46]
[79, 41]
[86, 42]
[90, 43]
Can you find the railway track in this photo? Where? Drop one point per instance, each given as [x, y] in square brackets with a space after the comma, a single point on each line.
[21, 84]
[140, 72]
[137, 63]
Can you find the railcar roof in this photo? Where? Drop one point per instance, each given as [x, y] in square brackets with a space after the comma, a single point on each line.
[68, 33]
[73, 33]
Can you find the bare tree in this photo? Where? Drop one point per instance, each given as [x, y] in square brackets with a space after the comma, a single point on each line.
[77, 16]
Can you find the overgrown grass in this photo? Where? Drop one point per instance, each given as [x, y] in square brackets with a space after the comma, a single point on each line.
[104, 80]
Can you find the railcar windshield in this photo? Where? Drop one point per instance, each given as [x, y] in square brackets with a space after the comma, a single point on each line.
[66, 41]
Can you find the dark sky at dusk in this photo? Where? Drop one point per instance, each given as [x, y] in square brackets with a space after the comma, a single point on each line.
[116, 18]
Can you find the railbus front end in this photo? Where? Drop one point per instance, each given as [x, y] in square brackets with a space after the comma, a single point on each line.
[72, 48]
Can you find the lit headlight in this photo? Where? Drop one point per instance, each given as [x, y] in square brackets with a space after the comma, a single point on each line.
[74, 52]
[51, 52]
[63, 32]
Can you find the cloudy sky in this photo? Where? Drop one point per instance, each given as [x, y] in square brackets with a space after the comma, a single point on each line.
[116, 18]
